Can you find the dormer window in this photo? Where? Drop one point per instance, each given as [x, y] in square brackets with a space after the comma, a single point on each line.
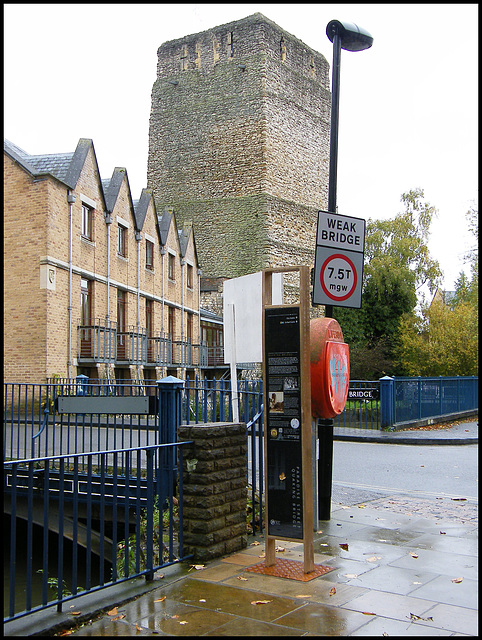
[171, 271]
[122, 241]
[149, 255]
[189, 276]
[86, 222]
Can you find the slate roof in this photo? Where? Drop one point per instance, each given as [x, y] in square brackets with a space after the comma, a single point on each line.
[183, 240]
[164, 223]
[57, 164]
[113, 188]
[66, 167]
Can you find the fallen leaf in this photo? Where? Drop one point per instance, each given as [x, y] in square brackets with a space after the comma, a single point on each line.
[332, 591]
[255, 543]
[260, 601]
[122, 615]
[374, 558]
[415, 617]
[350, 575]
[75, 613]
[457, 580]
[414, 555]
[361, 506]
[241, 578]
[112, 612]
[182, 621]
[175, 616]
[368, 613]
[344, 546]
[138, 627]
[197, 567]
[67, 632]
[160, 599]
[282, 476]
[303, 596]
[280, 549]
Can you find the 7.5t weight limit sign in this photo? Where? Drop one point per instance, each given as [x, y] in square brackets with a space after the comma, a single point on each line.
[339, 255]
[338, 277]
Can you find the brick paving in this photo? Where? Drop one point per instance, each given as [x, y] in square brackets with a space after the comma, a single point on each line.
[459, 510]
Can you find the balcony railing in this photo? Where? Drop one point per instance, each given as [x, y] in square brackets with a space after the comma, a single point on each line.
[97, 341]
[132, 346]
[159, 350]
[102, 342]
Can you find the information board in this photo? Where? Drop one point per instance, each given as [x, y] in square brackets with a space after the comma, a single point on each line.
[284, 433]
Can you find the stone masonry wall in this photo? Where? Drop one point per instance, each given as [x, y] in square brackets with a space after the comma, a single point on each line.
[214, 473]
[239, 143]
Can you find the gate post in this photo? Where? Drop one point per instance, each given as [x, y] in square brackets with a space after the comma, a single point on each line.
[387, 389]
[169, 415]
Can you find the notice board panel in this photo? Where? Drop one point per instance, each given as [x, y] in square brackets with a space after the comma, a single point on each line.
[284, 420]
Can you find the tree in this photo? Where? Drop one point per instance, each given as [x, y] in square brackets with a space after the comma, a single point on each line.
[397, 264]
[443, 340]
[440, 342]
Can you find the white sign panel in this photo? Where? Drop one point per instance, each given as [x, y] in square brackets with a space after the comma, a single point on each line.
[338, 273]
[340, 232]
[243, 329]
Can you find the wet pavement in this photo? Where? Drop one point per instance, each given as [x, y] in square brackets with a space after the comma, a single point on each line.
[398, 566]
[457, 432]
[395, 574]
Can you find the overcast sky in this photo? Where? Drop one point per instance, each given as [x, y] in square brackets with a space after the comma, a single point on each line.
[408, 105]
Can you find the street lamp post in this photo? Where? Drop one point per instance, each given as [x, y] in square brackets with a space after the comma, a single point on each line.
[348, 36]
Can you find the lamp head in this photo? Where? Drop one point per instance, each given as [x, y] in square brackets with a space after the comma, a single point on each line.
[353, 37]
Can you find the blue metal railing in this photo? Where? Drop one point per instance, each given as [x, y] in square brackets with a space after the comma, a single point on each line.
[33, 428]
[432, 397]
[362, 412]
[113, 489]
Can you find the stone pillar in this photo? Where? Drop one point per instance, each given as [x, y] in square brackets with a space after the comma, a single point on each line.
[214, 491]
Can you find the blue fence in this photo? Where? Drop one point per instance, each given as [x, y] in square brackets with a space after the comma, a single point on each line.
[408, 400]
[118, 508]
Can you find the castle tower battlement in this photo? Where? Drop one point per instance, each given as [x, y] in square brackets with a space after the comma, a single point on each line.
[239, 143]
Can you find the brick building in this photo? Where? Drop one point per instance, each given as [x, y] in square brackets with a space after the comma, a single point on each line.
[239, 145]
[94, 282]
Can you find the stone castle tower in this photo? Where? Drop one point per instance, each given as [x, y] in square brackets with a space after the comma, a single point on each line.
[239, 144]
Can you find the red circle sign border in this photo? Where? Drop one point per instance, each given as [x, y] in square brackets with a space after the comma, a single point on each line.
[355, 278]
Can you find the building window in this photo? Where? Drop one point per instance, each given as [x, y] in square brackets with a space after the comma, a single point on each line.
[149, 255]
[86, 222]
[170, 322]
[171, 273]
[85, 318]
[122, 241]
[149, 318]
[85, 301]
[189, 328]
[189, 276]
[121, 325]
